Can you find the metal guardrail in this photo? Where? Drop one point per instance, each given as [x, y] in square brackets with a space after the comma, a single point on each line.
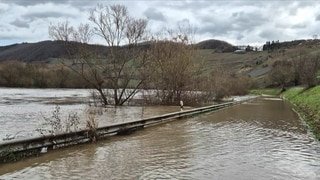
[16, 149]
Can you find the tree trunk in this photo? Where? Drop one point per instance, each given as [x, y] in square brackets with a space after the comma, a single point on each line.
[103, 96]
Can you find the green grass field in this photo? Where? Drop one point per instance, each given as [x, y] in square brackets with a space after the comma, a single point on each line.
[307, 103]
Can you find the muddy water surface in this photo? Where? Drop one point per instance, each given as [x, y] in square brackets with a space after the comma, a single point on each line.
[263, 139]
[22, 111]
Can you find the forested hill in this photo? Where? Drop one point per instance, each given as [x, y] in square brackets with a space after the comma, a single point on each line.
[45, 51]
[219, 46]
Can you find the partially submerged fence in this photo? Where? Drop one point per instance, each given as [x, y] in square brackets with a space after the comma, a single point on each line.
[17, 149]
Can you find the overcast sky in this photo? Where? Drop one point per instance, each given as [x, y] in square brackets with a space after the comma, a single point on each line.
[238, 22]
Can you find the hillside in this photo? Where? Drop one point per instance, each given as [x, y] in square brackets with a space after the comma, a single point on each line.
[43, 51]
[258, 64]
[255, 64]
[217, 45]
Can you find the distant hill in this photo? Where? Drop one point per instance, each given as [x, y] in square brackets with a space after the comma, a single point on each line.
[42, 51]
[217, 45]
[274, 45]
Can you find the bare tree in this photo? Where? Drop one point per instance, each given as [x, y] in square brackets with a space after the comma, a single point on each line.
[83, 33]
[172, 68]
[61, 31]
[219, 82]
[61, 76]
[307, 68]
[315, 36]
[122, 33]
[121, 67]
[282, 73]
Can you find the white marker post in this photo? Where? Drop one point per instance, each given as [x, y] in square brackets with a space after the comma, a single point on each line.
[181, 105]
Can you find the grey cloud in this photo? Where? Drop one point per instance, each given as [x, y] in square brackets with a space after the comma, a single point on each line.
[78, 3]
[35, 2]
[4, 28]
[184, 24]
[248, 20]
[266, 34]
[299, 26]
[305, 3]
[41, 15]
[191, 5]
[293, 11]
[215, 28]
[237, 22]
[4, 36]
[197, 5]
[81, 3]
[153, 14]
[240, 36]
[19, 23]
[273, 34]
[31, 2]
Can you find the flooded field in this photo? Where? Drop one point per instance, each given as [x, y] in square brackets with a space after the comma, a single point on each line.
[22, 111]
[263, 139]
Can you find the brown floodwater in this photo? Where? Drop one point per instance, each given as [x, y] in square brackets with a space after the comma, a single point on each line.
[263, 139]
[22, 111]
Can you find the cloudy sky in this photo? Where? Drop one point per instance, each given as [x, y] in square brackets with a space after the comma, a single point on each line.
[238, 22]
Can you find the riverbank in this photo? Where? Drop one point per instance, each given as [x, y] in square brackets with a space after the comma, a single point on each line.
[306, 102]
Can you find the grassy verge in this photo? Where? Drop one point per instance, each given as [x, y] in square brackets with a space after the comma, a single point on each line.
[268, 91]
[307, 103]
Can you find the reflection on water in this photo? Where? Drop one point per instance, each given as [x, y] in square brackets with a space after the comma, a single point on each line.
[259, 140]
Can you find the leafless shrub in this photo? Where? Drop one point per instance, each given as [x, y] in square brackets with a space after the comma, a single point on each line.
[282, 73]
[222, 83]
[307, 68]
[92, 125]
[20, 74]
[72, 122]
[11, 73]
[56, 124]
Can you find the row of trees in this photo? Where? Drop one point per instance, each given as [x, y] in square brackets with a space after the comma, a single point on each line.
[301, 70]
[19, 74]
[270, 46]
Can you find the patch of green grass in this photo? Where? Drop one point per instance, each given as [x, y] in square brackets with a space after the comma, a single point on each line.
[267, 91]
[307, 103]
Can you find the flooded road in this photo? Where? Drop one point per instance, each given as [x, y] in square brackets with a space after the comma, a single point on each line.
[263, 139]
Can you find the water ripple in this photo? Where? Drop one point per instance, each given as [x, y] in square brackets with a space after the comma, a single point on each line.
[265, 141]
